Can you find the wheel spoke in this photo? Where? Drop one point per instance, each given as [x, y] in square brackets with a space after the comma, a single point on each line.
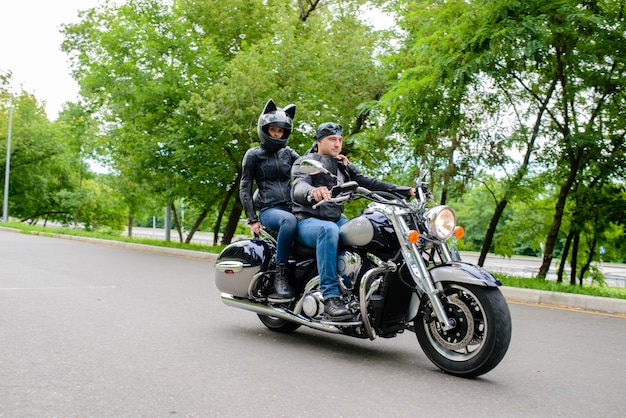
[466, 338]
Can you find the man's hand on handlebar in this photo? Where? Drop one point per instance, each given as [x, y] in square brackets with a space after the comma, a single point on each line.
[320, 194]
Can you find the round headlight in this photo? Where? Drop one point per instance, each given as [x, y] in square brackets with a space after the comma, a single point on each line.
[441, 222]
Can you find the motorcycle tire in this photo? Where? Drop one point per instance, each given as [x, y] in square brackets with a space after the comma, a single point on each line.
[278, 324]
[481, 335]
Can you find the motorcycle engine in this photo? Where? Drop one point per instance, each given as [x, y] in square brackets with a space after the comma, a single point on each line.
[348, 267]
[313, 304]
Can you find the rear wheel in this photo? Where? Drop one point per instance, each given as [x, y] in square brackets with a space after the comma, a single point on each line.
[278, 324]
[481, 334]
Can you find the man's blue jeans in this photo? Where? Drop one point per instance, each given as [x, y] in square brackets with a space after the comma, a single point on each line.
[280, 218]
[324, 237]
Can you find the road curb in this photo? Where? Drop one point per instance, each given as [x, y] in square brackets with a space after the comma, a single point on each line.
[591, 303]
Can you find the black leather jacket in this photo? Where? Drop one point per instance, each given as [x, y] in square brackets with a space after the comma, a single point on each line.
[271, 172]
[302, 184]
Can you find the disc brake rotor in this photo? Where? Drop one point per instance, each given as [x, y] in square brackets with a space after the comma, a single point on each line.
[462, 333]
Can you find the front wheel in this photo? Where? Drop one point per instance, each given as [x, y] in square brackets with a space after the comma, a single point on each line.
[278, 324]
[480, 337]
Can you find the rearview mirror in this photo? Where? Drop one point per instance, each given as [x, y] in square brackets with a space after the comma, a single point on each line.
[311, 167]
[314, 167]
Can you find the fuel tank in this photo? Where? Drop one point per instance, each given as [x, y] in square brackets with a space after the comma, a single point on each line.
[372, 231]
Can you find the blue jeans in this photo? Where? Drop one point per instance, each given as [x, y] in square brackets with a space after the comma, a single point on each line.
[324, 237]
[280, 218]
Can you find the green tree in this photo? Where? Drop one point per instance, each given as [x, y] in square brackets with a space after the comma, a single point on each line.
[325, 65]
[494, 76]
[78, 130]
[41, 162]
[138, 65]
[458, 109]
[180, 87]
[584, 41]
[597, 212]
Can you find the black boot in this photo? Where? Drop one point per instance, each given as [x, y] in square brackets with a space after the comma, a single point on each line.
[282, 290]
[336, 310]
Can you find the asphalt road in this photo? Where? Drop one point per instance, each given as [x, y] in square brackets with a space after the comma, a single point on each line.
[89, 330]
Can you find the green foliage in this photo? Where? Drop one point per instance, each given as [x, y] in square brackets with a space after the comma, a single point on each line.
[473, 211]
[522, 87]
[95, 206]
[50, 179]
[42, 165]
[181, 87]
[596, 276]
[614, 238]
[524, 226]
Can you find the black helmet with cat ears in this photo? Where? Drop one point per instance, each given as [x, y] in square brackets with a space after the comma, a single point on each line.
[275, 116]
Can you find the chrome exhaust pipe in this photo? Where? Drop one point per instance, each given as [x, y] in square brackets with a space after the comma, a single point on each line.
[277, 312]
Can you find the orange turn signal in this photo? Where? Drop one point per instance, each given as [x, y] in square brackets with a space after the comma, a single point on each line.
[459, 232]
[413, 236]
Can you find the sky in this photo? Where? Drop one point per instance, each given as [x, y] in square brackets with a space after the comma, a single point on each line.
[30, 48]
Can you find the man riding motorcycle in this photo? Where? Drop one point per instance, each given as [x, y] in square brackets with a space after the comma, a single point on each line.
[318, 225]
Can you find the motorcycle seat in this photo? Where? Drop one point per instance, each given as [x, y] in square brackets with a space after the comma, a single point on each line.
[301, 251]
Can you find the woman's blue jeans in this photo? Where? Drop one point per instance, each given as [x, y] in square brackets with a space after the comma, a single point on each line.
[280, 218]
[324, 237]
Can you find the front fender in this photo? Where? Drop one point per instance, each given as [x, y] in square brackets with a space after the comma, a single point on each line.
[460, 272]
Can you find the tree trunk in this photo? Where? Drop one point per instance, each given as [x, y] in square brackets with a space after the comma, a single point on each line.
[233, 221]
[130, 226]
[80, 192]
[229, 194]
[574, 260]
[585, 268]
[177, 223]
[444, 196]
[198, 222]
[448, 173]
[495, 219]
[558, 218]
[568, 241]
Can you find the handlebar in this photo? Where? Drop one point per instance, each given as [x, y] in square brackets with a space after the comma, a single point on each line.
[337, 199]
[349, 191]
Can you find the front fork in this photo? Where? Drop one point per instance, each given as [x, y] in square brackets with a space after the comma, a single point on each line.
[421, 276]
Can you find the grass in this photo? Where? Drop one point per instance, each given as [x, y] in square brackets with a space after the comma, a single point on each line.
[507, 280]
[111, 236]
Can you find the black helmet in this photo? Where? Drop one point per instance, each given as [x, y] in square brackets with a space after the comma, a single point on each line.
[275, 116]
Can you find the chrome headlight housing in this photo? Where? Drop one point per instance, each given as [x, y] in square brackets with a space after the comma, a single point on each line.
[440, 222]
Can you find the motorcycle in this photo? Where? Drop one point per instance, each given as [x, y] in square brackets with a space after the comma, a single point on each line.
[396, 271]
